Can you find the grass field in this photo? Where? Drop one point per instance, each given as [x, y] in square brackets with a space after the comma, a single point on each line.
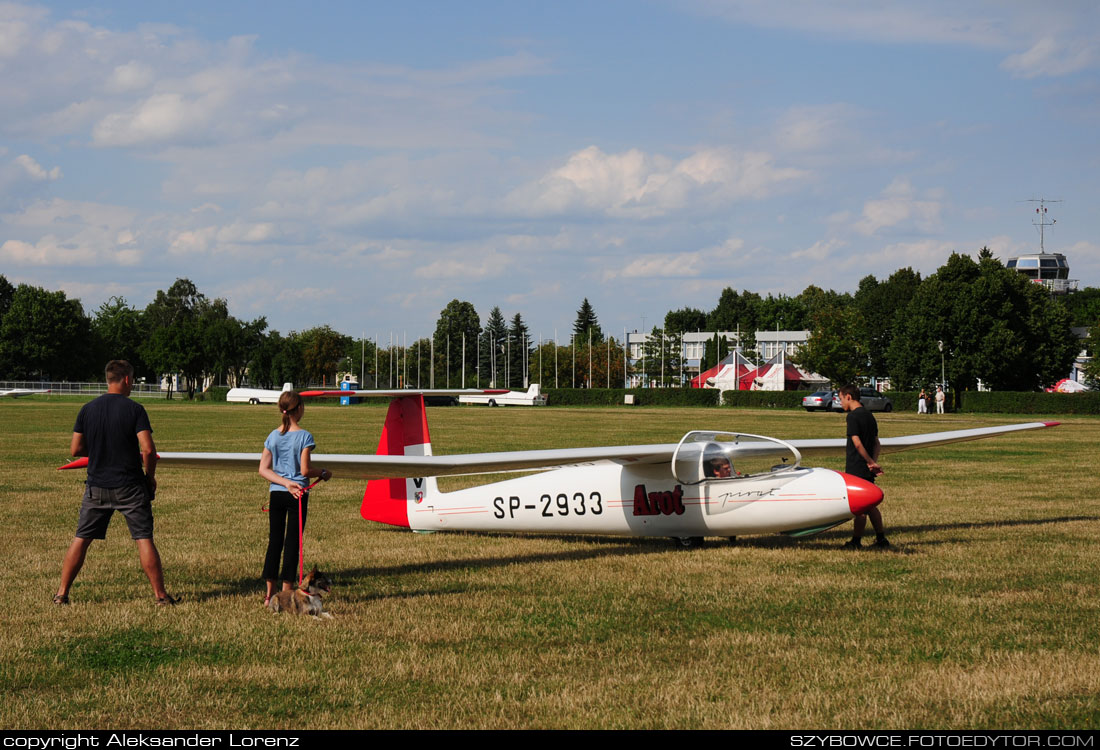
[984, 616]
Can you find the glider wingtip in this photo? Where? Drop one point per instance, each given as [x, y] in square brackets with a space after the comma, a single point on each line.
[1051, 424]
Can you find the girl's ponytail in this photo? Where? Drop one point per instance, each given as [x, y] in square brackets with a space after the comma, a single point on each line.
[289, 401]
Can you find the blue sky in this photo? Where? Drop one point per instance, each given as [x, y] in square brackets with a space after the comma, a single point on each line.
[361, 164]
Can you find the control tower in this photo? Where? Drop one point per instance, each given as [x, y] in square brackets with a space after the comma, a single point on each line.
[1049, 269]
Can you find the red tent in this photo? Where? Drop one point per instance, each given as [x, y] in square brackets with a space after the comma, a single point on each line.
[732, 368]
[777, 374]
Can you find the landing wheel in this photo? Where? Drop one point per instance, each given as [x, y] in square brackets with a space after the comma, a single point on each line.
[492, 402]
[688, 542]
[253, 400]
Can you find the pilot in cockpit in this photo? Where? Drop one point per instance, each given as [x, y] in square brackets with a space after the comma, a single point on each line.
[715, 464]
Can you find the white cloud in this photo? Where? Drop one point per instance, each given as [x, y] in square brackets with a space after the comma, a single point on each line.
[820, 251]
[640, 185]
[35, 170]
[51, 251]
[61, 233]
[717, 260]
[1049, 38]
[464, 265]
[130, 76]
[813, 128]
[1052, 57]
[899, 207]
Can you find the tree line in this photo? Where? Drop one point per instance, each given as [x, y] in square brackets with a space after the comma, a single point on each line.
[993, 323]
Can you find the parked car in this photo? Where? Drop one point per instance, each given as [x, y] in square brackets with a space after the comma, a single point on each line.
[819, 401]
[871, 400]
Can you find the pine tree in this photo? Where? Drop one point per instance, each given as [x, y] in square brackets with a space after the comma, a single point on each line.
[519, 344]
[493, 338]
[586, 324]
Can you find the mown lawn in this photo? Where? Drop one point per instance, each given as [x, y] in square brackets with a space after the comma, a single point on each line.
[985, 615]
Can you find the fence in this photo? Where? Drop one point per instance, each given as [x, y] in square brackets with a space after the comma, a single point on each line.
[141, 390]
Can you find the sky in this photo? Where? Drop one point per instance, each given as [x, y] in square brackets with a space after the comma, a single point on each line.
[361, 164]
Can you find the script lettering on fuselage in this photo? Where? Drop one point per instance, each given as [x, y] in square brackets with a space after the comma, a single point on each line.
[745, 495]
[658, 503]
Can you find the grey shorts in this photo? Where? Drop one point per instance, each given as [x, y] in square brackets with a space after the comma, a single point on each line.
[99, 503]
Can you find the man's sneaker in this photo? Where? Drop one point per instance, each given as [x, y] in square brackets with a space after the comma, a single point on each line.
[882, 543]
[167, 600]
[853, 544]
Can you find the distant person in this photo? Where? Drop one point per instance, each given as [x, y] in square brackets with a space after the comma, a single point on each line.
[922, 402]
[863, 448]
[940, 398]
[285, 463]
[114, 433]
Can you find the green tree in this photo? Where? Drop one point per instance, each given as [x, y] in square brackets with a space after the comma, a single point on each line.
[734, 312]
[458, 326]
[174, 340]
[323, 354]
[586, 325]
[262, 370]
[45, 335]
[994, 324]
[228, 343]
[289, 363]
[119, 334]
[661, 364]
[6, 293]
[493, 345]
[835, 349]
[1083, 306]
[1092, 346]
[685, 320]
[518, 353]
[420, 362]
[878, 305]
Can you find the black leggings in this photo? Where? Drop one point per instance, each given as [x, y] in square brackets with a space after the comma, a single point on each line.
[283, 535]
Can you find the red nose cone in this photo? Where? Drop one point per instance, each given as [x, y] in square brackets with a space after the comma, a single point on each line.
[862, 495]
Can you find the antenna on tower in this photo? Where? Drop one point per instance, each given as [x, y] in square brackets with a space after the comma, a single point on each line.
[1042, 223]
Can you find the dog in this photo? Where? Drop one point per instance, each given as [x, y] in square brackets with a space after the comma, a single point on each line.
[306, 599]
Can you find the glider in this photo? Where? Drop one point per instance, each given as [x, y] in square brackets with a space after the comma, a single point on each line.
[711, 483]
[20, 392]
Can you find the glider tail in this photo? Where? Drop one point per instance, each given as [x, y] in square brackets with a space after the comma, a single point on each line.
[404, 434]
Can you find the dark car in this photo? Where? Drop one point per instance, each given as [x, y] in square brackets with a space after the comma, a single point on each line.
[819, 401]
[871, 399]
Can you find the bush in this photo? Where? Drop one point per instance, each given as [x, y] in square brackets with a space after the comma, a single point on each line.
[213, 393]
[1015, 402]
[765, 399]
[642, 396]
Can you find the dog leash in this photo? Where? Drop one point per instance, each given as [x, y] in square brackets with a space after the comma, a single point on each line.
[301, 540]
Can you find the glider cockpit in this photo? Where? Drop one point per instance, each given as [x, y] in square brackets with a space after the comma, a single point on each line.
[709, 456]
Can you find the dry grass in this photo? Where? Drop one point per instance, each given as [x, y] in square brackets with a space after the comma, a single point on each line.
[984, 616]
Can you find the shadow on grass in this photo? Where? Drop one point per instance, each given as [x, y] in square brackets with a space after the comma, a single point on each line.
[596, 547]
[830, 538]
[604, 546]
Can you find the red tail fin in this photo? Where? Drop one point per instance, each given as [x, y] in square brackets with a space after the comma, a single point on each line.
[404, 434]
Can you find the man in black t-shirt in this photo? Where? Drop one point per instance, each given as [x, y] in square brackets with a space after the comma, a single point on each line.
[861, 460]
[114, 433]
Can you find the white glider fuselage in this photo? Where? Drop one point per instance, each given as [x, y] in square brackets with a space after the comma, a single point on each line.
[637, 500]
